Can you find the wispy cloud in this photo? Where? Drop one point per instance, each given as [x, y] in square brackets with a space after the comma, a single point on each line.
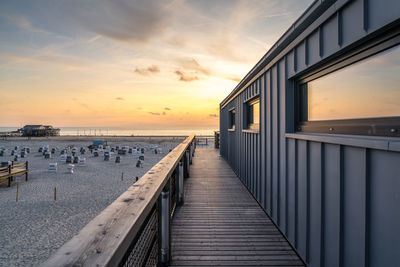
[155, 113]
[193, 65]
[192, 70]
[148, 70]
[22, 22]
[232, 78]
[167, 108]
[184, 77]
[213, 115]
[120, 98]
[123, 20]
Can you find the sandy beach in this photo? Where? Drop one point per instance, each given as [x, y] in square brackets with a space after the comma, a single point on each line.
[35, 226]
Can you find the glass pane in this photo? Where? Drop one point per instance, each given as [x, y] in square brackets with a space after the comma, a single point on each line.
[256, 113]
[367, 89]
[232, 118]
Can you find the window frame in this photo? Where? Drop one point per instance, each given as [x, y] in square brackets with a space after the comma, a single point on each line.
[251, 125]
[376, 126]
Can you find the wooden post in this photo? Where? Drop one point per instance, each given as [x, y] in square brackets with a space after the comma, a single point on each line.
[122, 176]
[164, 227]
[26, 174]
[16, 198]
[9, 177]
[190, 153]
[55, 193]
[180, 183]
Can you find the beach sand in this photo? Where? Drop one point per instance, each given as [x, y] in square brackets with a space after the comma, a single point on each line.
[36, 226]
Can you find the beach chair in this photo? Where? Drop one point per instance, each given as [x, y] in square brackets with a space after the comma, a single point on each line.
[63, 158]
[70, 168]
[82, 162]
[53, 166]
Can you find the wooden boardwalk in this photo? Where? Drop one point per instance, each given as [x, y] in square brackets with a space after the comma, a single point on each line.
[221, 223]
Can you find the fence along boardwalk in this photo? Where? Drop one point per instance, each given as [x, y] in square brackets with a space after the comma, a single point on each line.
[221, 223]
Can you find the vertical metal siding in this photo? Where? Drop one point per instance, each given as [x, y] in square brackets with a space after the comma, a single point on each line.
[336, 204]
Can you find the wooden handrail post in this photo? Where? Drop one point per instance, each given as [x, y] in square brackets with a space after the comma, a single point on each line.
[164, 227]
[190, 153]
[9, 175]
[187, 162]
[26, 174]
[180, 183]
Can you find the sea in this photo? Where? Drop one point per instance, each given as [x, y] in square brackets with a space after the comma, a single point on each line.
[119, 131]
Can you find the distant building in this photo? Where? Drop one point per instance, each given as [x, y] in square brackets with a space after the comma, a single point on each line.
[39, 130]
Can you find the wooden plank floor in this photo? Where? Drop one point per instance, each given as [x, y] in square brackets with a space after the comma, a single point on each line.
[221, 223]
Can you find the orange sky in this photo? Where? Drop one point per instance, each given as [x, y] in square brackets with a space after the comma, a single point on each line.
[141, 64]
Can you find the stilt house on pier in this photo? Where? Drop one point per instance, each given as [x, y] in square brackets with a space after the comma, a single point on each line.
[39, 130]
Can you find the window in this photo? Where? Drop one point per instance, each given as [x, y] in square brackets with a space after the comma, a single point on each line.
[358, 95]
[232, 119]
[253, 114]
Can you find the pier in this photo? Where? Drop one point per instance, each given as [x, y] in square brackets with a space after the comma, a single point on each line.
[222, 224]
[189, 209]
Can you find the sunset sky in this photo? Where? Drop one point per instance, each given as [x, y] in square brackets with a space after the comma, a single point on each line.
[140, 64]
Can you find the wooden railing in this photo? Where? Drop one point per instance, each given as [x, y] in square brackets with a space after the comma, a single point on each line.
[135, 229]
[8, 173]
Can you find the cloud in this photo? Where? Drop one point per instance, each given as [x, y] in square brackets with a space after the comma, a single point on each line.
[153, 69]
[193, 65]
[148, 70]
[122, 20]
[120, 98]
[164, 113]
[235, 79]
[186, 77]
[167, 108]
[22, 22]
[154, 113]
[213, 115]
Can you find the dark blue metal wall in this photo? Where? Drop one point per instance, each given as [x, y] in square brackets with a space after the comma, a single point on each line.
[336, 198]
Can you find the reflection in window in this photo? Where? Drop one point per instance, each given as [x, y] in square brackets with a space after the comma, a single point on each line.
[253, 114]
[367, 89]
[232, 119]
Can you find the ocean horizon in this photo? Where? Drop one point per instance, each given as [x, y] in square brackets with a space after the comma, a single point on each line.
[120, 131]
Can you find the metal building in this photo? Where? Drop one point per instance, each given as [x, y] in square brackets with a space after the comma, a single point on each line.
[313, 132]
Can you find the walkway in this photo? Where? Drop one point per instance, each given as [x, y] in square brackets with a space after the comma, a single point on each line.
[221, 223]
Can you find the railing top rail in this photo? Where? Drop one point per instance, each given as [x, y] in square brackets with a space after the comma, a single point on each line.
[18, 165]
[4, 169]
[105, 239]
